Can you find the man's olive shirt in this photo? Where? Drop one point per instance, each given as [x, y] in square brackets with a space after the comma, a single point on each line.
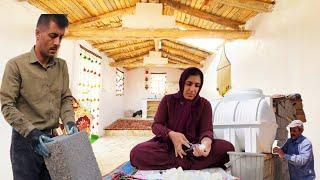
[34, 96]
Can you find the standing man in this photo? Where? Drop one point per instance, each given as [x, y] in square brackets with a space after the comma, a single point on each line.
[34, 95]
[298, 152]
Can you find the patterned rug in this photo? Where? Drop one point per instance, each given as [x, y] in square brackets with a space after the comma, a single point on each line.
[122, 172]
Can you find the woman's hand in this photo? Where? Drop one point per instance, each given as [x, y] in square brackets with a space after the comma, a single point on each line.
[178, 139]
[204, 148]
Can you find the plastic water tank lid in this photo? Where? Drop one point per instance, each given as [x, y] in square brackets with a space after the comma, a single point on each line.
[247, 91]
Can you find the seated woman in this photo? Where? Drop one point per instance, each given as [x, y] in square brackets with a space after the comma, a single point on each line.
[182, 118]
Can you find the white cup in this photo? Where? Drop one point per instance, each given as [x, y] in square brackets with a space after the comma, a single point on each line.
[275, 144]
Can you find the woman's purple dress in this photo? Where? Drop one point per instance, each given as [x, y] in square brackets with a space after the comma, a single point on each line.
[194, 120]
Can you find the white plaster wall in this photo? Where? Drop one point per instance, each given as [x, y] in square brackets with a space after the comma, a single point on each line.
[111, 107]
[282, 57]
[16, 37]
[135, 91]
[210, 77]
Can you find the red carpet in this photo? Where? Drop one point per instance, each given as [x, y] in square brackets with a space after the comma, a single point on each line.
[130, 125]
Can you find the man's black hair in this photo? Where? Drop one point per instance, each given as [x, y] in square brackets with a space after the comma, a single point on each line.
[60, 19]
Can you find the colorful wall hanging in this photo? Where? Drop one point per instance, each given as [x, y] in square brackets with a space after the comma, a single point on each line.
[90, 84]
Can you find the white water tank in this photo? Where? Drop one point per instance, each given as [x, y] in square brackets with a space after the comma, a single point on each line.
[242, 111]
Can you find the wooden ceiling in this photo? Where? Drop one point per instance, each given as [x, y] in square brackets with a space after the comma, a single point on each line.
[180, 55]
[99, 22]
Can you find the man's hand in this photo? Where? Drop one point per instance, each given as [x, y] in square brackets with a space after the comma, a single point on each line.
[41, 148]
[279, 152]
[178, 139]
[38, 139]
[71, 128]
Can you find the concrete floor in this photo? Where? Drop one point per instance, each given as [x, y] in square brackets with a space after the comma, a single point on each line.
[111, 151]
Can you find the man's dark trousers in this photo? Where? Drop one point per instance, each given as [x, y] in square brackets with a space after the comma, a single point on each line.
[26, 164]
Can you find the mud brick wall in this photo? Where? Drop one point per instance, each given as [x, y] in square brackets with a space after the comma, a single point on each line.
[286, 108]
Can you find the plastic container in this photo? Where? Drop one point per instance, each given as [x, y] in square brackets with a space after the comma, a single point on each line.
[248, 166]
[246, 119]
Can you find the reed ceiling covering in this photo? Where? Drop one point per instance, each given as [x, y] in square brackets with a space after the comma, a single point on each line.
[99, 22]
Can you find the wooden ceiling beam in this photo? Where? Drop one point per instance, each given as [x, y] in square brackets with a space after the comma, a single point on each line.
[124, 64]
[132, 54]
[252, 5]
[184, 47]
[129, 48]
[104, 44]
[203, 15]
[188, 26]
[172, 61]
[140, 64]
[171, 58]
[94, 43]
[92, 20]
[183, 54]
[133, 59]
[113, 25]
[125, 33]
[115, 44]
[179, 58]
